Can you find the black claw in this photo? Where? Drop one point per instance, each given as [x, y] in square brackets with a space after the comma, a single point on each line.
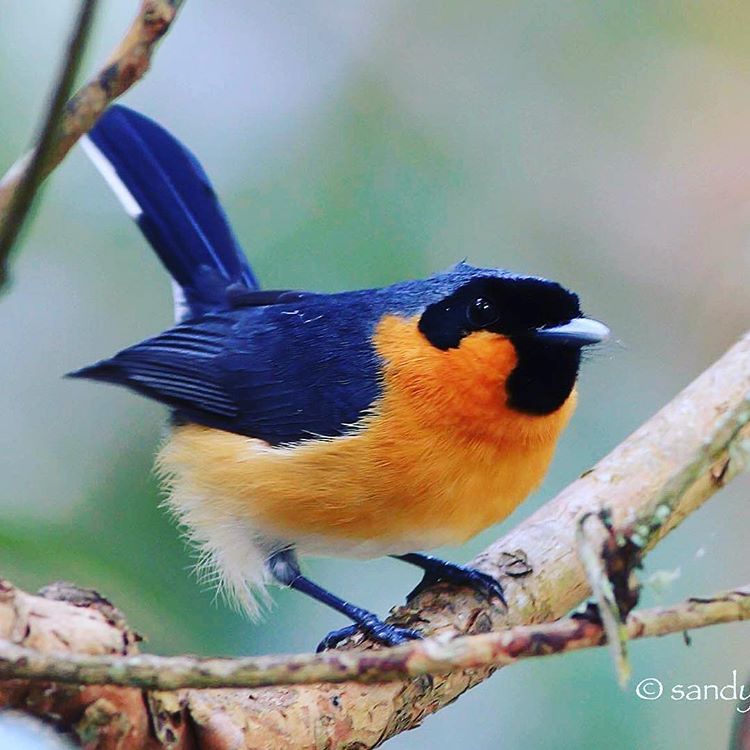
[388, 635]
[460, 575]
[335, 637]
[392, 635]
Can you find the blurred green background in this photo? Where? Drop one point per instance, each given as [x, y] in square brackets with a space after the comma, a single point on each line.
[602, 144]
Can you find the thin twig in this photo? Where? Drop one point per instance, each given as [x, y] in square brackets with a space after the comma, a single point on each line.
[125, 66]
[36, 166]
[432, 656]
[590, 551]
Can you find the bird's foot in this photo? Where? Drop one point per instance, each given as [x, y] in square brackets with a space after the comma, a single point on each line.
[382, 632]
[436, 571]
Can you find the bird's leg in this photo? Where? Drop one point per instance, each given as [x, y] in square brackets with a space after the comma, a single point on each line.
[436, 570]
[284, 567]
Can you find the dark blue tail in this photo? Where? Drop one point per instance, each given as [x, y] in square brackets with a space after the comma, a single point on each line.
[165, 190]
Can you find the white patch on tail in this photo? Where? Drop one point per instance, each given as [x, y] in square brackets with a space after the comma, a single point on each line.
[181, 307]
[108, 172]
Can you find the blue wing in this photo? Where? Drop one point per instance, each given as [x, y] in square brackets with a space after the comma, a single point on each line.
[282, 372]
[176, 368]
[166, 191]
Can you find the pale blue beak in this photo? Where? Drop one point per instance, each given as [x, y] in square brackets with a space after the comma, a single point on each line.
[578, 332]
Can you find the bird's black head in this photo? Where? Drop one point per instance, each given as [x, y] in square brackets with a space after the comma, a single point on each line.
[540, 318]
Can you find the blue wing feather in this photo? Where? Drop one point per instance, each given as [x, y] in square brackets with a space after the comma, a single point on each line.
[176, 368]
[259, 371]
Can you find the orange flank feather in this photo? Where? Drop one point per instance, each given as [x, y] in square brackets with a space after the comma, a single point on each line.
[439, 458]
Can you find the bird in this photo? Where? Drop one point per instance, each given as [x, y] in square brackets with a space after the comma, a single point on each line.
[356, 424]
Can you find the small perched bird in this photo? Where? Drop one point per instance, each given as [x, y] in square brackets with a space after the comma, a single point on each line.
[358, 424]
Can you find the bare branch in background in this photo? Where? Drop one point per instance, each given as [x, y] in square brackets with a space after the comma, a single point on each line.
[28, 174]
[65, 124]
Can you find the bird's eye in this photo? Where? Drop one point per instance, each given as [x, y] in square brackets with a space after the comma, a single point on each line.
[482, 313]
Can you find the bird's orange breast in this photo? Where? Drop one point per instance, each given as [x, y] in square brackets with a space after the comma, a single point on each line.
[439, 458]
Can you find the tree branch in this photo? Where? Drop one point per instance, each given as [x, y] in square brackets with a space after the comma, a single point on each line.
[538, 563]
[65, 124]
[35, 165]
[432, 656]
[595, 564]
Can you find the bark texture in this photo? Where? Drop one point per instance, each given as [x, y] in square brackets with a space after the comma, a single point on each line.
[432, 656]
